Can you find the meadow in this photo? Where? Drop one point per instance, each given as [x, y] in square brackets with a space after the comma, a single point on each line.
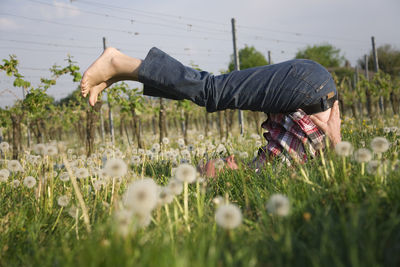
[130, 206]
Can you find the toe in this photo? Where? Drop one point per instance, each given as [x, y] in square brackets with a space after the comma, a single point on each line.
[94, 92]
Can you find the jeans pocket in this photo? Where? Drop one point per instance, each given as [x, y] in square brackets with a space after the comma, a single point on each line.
[312, 73]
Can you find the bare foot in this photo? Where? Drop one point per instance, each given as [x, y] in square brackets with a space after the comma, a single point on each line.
[112, 66]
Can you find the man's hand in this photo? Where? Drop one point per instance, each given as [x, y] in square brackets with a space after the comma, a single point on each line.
[332, 126]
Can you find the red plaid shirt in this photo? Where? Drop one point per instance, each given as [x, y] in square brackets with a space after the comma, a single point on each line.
[290, 136]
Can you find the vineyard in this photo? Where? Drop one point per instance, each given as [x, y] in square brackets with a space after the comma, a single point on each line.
[116, 184]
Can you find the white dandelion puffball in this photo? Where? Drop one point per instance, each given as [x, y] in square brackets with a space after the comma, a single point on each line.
[51, 150]
[373, 166]
[344, 148]
[16, 183]
[4, 146]
[380, 144]
[219, 164]
[175, 186]
[64, 176]
[228, 216]
[63, 201]
[386, 130]
[164, 196]
[141, 219]
[39, 149]
[186, 173]
[14, 166]
[116, 167]
[165, 140]
[221, 149]
[181, 142]
[81, 173]
[363, 155]
[141, 195]
[278, 204]
[156, 147]
[244, 155]
[136, 160]
[218, 200]
[99, 184]
[29, 181]
[4, 174]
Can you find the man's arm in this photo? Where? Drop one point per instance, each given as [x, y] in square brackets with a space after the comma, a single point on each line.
[332, 126]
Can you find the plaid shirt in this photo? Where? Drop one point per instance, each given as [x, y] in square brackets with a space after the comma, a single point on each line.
[290, 136]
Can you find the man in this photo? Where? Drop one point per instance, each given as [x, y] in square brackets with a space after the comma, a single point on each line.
[299, 95]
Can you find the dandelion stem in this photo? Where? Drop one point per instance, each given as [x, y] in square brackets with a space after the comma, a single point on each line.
[78, 194]
[178, 204]
[169, 221]
[198, 199]
[185, 203]
[112, 194]
[344, 167]
[58, 217]
[324, 164]
[362, 168]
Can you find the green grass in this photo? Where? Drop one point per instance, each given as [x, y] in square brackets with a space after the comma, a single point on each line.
[348, 219]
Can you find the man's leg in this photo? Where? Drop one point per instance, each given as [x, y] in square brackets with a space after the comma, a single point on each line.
[277, 88]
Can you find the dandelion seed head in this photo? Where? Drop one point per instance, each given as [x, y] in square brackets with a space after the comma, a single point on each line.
[99, 184]
[344, 148]
[50, 150]
[175, 186]
[386, 130]
[4, 146]
[186, 173]
[374, 166]
[218, 200]
[156, 147]
[258, 143]
[380, 144]
[116, 167]
[190, 148]
[141, 195]
[200, 137]
[16, 183]
[181, 142]
[4, 174]
[165, 140]
[363, 155]
[185, 154]
[141, 219]
[29, 181]
[136, 160]
[243, 155]
[72, 211]
[81, 173]
[221, 149]
[15, 166]
[228, 216]
[64, 176]
[278, 204]
[63, 201]
[219, 164]
[39, 149]
[164, 196]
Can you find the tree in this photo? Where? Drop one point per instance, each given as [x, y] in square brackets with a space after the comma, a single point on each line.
[248, 57]
[325, 54]
[388, 60]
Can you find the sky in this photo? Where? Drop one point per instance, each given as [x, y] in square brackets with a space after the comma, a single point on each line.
[42, 33]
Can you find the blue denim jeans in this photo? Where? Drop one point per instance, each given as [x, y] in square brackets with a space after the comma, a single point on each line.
[276, 88]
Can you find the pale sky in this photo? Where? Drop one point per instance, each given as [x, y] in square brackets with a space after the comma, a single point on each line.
[42, 32]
